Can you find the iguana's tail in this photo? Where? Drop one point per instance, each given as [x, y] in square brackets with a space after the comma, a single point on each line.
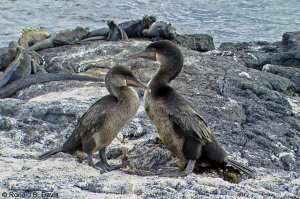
[13, 87]
[47, 43]
[241, 167]
[49, 153]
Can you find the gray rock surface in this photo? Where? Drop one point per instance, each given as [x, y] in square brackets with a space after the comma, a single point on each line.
[254, 114]
[290, 73]
[257, 54]
[291, 39]
[198, 42]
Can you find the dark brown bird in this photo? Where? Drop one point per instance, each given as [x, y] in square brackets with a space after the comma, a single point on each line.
[180, 127]
[103, 120]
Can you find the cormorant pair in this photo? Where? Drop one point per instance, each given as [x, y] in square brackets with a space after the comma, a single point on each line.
[180, 127]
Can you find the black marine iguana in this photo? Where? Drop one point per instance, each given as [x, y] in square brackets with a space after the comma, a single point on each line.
[160, 30]
[132, 28]
[163, 30]
[115, 33]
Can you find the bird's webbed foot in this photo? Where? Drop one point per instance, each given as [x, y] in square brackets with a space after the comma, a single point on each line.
[106, 166]
[103, 161]
[92, 164]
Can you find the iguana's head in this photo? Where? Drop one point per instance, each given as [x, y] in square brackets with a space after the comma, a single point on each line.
[170, 31]
[148, 20]
[111, 23]
[81, 32]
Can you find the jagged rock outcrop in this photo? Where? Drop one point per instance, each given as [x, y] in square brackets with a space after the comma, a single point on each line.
[257, 54]
[198, 42]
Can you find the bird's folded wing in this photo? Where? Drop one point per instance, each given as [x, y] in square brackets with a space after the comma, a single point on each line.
[94, 118]
[185, 117]
[88, 125]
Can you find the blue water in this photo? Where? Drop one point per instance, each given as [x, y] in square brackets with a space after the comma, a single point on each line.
[225, 20]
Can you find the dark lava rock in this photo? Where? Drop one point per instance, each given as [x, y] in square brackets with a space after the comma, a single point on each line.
[291, 39]
[293, 74]
[198, 42]
[257, 54]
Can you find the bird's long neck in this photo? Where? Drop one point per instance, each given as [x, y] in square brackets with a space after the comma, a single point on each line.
[127, 97]
[126, 93]
[168, 70]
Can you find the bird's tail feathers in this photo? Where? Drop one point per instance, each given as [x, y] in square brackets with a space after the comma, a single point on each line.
[50, 153]
[241, 167]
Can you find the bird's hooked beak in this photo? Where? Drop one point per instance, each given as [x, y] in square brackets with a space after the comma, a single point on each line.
[148, 53]
[131, 81]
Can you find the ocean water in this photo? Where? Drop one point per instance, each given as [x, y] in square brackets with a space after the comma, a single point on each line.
[224, 20]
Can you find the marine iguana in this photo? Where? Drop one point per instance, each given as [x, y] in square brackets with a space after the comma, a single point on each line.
[135, 28]
[160, 30]
[31, 36]
[10, 89]
[19, 62]
[132, 28]
[64, 37]
[20, 67]
[116, 33]
[102, 32]
[7, 55]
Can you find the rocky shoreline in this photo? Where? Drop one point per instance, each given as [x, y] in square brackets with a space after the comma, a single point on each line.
[248, 93]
